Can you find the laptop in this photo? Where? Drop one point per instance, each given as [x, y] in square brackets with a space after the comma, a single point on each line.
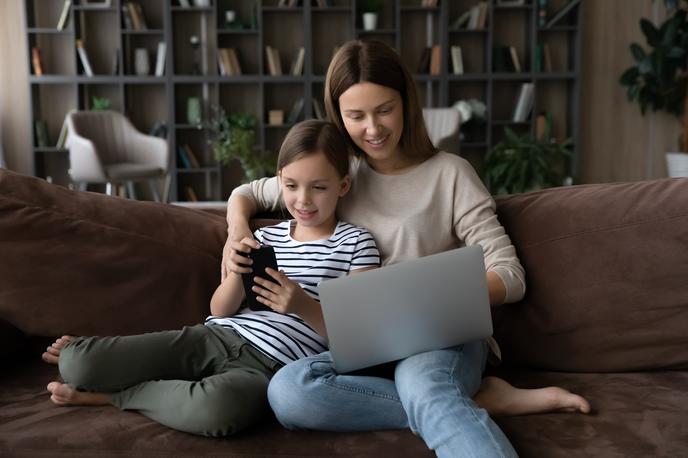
[414, 306]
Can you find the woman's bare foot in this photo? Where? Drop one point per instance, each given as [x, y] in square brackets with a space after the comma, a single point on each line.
[52, 353]
[501, 399]
[64, 395]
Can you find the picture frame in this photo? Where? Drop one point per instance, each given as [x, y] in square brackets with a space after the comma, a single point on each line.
[511, 2]
[97, 3]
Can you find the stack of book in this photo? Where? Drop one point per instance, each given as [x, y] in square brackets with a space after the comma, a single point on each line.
[228, 62]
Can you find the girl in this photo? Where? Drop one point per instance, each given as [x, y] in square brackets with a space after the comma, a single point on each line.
[416, 201]
[212, 380]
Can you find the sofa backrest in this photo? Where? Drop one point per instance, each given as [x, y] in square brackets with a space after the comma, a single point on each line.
[88, 264]
[607, 277]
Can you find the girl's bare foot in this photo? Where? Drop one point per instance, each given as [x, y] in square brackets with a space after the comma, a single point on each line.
[501, 399]
[52, 353]
[64, 395]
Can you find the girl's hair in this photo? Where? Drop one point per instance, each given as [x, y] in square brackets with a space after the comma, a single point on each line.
[374, 62]
[312, 136]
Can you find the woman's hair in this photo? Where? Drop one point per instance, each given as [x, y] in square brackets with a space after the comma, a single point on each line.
[312, 136]
[374, 62]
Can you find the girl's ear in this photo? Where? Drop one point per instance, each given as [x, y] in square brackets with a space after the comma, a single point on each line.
[344, 186]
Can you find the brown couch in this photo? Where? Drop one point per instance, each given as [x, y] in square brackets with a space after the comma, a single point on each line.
[605, 315]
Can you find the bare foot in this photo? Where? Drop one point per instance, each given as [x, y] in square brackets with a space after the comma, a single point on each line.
[52, 353]
[64, 395]
[501, 399]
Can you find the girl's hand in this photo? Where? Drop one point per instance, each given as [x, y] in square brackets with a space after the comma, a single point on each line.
[285, 297]
[240, 241]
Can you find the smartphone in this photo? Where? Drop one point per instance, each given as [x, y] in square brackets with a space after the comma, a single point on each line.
[262, 257]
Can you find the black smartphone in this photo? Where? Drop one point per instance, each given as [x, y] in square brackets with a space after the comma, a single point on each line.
[262, 257]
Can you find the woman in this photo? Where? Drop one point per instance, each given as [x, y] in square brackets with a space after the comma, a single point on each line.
[415, 201]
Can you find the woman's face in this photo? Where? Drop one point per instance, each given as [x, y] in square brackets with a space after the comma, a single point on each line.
[373, 116]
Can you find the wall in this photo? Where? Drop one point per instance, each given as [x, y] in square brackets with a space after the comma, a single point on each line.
[617, 143]
[15, 123]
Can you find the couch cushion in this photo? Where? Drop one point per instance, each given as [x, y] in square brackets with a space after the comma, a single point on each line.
[89, 264]
[607, 277]
[30, 425]
[634, 415]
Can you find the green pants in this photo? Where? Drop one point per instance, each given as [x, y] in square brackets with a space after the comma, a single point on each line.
[203, 379]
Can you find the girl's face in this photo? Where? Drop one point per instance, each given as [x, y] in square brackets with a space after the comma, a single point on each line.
[373, 116]
[311, 188]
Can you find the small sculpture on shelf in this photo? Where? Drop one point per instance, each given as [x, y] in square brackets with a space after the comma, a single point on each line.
[195, 43]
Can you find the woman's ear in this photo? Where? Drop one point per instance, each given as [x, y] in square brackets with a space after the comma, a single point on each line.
[344, 186]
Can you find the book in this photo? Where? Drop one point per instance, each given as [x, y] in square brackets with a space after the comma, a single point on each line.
[193, 159]
[36, 61]
[482, 15]
[126, 18]
[543, 127]
[524, 102]
[184, 160]
[424, 62]
[296, 111]
[41, 128]
[190, 194]
[138, 20]
[462, 20]
[436, 60]
[83, 57]
[160, 59]
[457, 60]
[234, 65]
[563, 11]
[473, 18]
[64, 15]
[501, 60]
[297, 64]
[62, 138]
[273, 58]
[514, 59]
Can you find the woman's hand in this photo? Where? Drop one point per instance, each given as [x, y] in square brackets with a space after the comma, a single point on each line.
[239, 241]
[286, 296]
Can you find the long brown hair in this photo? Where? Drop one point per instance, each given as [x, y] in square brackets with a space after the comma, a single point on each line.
[312, 136]
[372, 61]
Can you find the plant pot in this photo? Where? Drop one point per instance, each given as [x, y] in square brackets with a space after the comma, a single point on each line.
[677, 164]
[369, 21]
[141, 62]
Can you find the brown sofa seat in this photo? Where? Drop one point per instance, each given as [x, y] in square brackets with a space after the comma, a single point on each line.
[605, 315]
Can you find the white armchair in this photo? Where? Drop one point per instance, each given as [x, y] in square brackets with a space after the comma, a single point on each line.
[104, 147]
[443, 126]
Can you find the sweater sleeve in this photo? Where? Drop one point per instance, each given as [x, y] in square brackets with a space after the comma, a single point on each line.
[476, 222]
[264, 193]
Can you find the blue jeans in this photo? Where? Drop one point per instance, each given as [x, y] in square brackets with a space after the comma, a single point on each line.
[431, 394]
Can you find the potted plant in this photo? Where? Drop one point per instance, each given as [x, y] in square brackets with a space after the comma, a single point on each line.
[370, 9]
[658, 78]
[520, 163]
[234, 138]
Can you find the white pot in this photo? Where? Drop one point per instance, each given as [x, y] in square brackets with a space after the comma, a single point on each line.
[369, 21]
[677, 164]
[141, 62]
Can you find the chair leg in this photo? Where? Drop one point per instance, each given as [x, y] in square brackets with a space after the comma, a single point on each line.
[166, 188]
[154, 189]
[131, 192]
[83, 186]
[110, 189]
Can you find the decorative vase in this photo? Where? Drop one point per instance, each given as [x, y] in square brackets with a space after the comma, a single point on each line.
[677, 164]
[369, 21]
[141, 62]
[193, 110]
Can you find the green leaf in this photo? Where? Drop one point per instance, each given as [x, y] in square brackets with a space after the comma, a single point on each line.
[638, 52]
[629, 77]
[651, 32]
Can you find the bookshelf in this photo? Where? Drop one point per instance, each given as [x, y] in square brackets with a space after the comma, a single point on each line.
[195, 75]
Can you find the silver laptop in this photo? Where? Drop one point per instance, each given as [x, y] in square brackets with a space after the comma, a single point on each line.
[407, 308]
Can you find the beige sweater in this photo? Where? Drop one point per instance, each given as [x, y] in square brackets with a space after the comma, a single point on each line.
[436, 206]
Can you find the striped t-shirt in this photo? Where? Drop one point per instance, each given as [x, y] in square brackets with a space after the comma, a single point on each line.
[286, 337]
